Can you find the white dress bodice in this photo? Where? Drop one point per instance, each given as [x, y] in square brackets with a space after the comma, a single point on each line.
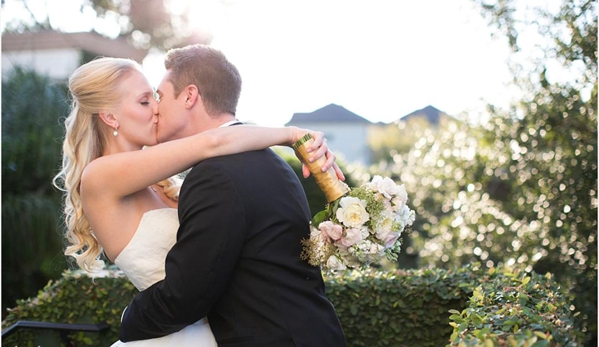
[142, 260]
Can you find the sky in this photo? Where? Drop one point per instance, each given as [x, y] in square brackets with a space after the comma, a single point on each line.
[380, 59]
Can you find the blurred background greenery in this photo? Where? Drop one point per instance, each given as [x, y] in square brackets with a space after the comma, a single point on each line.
[31, 207]
[520, 189]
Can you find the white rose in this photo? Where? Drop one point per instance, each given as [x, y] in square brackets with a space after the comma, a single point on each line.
[377, 249]
[374, 183]
[365, 246]
[314, 232]
[317, 239]
[406, 216]
[352, 212]
[400, 199]
[385, 225]
[385, 186]
[333, 263]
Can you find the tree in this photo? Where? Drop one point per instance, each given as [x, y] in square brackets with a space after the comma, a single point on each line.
[522, 189]
[31, 154]
[145, 23]
[554, 142]
[149, 23]
[387, 141]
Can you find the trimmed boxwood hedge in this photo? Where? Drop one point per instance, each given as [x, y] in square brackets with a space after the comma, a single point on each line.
[515, 308]
[464, 307]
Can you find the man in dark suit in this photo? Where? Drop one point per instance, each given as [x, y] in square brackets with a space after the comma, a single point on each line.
[242, 217]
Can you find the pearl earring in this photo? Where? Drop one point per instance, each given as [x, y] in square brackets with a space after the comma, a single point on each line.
[115, 133]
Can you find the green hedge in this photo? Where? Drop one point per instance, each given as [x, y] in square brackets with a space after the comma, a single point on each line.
[75, 298]
[515, 308]
[464, 307]
[398, 308]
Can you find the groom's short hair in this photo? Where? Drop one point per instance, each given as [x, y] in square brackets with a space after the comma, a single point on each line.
[217, 79]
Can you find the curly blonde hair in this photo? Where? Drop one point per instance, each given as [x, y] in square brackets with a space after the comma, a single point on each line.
[93, 87]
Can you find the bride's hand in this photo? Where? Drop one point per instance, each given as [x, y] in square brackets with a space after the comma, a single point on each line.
[318, 149]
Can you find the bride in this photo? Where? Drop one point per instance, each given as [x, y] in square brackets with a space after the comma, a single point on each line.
[121, 200]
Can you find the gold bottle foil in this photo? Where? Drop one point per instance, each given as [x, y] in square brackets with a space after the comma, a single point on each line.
[328, 181]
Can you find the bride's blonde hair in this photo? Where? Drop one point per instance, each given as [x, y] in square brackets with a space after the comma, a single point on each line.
[93, 87]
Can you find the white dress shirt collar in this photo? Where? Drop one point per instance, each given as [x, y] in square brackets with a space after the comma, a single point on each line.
[230, 123]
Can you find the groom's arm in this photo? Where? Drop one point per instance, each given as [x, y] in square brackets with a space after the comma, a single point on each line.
[199, 266]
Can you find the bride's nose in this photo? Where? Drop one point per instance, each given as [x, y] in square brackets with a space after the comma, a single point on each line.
[155, 107]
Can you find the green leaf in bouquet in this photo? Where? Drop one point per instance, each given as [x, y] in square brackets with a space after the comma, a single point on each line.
[319, 218]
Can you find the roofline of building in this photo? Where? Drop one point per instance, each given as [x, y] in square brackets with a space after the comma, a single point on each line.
[88, 41]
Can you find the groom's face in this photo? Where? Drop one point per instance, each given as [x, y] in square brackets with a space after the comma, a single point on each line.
[173, 117]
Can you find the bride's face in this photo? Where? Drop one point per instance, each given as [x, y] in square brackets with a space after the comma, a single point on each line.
[137, 111]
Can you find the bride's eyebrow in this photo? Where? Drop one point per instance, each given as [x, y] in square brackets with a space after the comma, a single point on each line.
[141, 95]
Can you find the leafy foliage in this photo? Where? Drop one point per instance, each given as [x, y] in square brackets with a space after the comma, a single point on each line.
[514, 308]
[376, 308]
[75, 298]
[386, 141]
[522, 189]
[162, 24]
[31, 240]
[152, 23]
[553, 135]
[397, 308]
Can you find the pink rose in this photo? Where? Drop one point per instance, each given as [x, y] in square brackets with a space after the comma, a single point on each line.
[331, 230]
[352, 236]
[391, 239]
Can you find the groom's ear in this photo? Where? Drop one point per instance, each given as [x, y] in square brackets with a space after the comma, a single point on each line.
[191, 95]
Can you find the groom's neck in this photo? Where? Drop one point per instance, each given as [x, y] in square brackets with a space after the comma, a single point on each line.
[215, 122]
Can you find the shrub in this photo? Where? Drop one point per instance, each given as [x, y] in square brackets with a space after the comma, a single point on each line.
[515, 308]
[376, 308]
[75, 298]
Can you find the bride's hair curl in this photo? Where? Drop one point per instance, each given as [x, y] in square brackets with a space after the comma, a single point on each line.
[171, 187]
[93, 87]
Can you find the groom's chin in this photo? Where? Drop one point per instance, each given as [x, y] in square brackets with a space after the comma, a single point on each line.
[161, 139]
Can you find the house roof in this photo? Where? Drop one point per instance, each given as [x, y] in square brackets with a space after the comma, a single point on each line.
[432, 114]
[329, 114]
[88, 41]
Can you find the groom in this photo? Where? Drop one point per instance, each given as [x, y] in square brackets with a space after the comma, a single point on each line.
[237, 256]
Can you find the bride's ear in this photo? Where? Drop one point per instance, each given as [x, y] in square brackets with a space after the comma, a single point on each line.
[109, 119]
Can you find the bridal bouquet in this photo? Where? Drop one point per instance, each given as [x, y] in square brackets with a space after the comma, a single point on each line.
[359, 226]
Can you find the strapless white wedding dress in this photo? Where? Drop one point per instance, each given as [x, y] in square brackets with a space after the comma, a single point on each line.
[142, 261]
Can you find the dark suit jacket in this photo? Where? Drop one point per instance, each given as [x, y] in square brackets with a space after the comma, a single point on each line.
[237, 261]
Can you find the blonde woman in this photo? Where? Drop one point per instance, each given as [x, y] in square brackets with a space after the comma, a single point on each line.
[121, 200]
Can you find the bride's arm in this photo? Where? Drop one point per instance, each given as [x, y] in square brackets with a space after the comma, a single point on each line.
[124, 173]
